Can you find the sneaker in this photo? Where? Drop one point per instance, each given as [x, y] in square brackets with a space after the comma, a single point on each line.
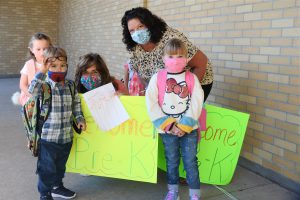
[172, 195]
[63, 192]
[46, 197]
[195, 197]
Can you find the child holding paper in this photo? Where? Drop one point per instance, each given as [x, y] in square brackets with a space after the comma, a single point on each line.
[92, 72]
[174, 111]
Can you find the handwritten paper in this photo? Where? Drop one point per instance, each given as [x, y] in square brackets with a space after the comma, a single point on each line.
[106, 108]
[129, 151]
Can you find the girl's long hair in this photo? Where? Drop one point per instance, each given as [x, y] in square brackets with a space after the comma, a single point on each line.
[87, 61]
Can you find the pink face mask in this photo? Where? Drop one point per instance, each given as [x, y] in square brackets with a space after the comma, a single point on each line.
[175, 65]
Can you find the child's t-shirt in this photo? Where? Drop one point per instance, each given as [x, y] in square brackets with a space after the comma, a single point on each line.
[30, 69]
[178, 105]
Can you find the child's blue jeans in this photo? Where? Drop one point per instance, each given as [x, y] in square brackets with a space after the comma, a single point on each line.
[51, 165]
[187, 147]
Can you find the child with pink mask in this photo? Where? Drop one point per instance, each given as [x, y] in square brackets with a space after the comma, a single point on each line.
[176, 118]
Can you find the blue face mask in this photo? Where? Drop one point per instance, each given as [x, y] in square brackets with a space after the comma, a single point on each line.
[141, 36]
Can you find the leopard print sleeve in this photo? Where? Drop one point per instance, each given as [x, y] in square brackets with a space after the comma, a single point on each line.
[146, 64]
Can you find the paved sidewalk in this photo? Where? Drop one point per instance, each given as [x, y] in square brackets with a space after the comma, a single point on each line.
[18, 180]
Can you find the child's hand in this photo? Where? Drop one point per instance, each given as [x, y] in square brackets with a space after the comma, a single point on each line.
[44, 67]
[182, 133]
[29, 144]
[81, 125]
[27, 93]
[117, 93]
[177, 131]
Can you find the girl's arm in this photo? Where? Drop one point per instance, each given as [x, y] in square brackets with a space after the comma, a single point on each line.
[190, 118]
[24, 84]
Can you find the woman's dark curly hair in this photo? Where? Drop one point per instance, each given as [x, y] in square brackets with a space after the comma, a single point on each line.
[86, 62]
[155, 25]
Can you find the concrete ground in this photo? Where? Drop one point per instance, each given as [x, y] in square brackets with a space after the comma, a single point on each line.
[18, 179]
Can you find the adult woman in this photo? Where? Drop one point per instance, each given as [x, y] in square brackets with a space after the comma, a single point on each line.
[145, 36]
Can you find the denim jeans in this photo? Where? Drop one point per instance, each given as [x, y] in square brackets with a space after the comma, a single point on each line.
[185, 146]
[51, 165]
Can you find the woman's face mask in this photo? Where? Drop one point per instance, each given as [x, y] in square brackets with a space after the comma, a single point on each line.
[141, 36]
[175, 64]
[90, 81]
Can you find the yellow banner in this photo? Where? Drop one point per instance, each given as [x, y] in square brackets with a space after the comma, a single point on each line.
[128, 151]
[131, 150]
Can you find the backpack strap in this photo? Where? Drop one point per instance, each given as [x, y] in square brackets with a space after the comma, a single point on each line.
[161, 83]
[45, 103]
[71, 85]
[190, 81]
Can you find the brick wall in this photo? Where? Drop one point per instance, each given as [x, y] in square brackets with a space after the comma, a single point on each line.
[19, 20]
[94, 26]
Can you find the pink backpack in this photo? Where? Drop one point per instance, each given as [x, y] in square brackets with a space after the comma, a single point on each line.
[190, 81]
[135, 84]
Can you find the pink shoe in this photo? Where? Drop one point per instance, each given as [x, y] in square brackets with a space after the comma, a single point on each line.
[195, 197]
[172, 195]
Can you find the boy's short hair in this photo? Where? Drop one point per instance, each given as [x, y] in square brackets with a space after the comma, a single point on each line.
[175, 46]
[55, 52]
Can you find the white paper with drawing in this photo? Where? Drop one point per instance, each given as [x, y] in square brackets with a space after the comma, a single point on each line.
[106, 108]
